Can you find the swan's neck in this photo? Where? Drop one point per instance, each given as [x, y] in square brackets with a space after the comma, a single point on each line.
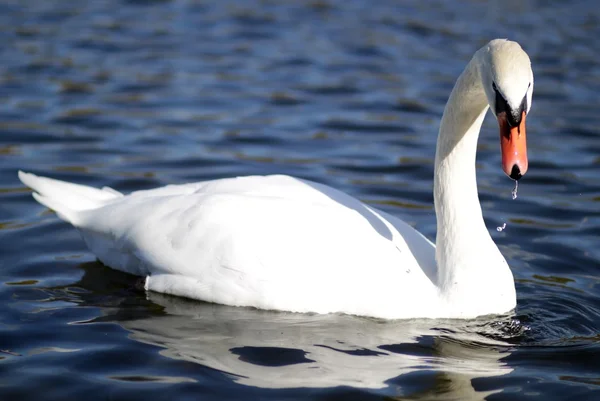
[467, 257]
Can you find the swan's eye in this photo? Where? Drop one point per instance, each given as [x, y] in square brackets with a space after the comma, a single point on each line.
[501, 103]
[524, 103]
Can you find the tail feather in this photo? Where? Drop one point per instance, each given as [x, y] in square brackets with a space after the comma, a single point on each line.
[66, 198]
[61, 210]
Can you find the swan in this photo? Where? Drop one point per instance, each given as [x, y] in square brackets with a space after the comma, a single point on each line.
[282, 243]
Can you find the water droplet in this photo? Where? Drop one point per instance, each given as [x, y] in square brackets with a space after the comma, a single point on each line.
[514, 191]
[502, 227]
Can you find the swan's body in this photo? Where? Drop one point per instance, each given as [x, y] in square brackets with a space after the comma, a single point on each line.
[277, 242]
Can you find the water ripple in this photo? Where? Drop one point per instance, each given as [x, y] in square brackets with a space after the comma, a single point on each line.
[136, 94]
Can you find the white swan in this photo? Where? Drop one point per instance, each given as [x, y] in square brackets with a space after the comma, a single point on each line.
[277, 242]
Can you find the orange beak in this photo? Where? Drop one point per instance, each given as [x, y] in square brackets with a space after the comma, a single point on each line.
[514, 147]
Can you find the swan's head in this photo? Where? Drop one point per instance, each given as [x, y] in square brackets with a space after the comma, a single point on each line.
[507, 79]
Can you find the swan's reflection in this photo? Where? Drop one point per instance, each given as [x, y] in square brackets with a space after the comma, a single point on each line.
[416, 359]
[283, 350]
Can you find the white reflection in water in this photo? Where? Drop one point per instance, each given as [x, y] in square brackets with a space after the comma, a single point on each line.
[329, 350]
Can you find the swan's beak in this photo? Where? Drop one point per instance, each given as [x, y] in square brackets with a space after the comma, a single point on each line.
[514, 147]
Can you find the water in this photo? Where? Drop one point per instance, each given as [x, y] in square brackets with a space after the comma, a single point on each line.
[137, 94]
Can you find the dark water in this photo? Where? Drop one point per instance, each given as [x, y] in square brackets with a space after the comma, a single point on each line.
[137, 94]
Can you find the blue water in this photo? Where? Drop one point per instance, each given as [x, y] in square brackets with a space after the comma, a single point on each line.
[137, 94]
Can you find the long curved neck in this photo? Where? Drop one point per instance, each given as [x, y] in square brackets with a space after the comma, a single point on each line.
[463, 242]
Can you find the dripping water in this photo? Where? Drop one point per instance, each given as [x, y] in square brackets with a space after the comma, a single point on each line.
[514, 196]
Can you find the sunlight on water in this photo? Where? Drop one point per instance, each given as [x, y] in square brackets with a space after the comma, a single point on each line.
[348, 94]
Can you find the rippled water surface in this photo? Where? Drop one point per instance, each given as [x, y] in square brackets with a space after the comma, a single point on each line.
[136, 94]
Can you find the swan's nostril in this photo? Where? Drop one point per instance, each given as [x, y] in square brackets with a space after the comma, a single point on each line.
[515, 173]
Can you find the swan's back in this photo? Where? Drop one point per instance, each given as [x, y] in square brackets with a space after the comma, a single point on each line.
[272, 242]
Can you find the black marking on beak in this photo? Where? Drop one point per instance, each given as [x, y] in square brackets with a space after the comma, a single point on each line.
[515, 173]
[513, 116]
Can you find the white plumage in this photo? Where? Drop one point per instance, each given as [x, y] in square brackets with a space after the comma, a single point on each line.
[272, 242]
[278, 242]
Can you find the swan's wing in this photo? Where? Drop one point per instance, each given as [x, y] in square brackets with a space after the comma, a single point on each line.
[271, 242]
